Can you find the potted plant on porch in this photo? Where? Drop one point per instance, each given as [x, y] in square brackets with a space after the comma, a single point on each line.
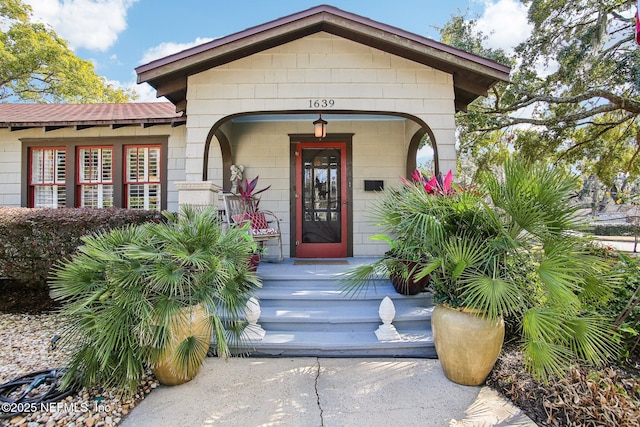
[406, 250]
[154, 296]
[507, 248]
[400, 263]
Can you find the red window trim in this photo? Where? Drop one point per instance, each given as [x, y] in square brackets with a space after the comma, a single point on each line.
[127, 182]
[31, 184]
[78, 170]
[69, 144]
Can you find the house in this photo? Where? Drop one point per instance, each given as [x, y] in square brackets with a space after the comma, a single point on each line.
[251, 99]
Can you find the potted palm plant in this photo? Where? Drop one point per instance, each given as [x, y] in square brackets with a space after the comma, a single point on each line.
[400, 264]
[506, 248]
[154, 296]
[406, 251]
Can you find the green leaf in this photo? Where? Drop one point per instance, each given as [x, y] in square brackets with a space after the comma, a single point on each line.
[494, 297]
[37, 66]
[590, 338]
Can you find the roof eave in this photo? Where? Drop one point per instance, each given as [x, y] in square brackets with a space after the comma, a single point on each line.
[169, 75]
[85, 124]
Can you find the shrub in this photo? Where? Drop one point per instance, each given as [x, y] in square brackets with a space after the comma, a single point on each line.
[33, 240]
[509, 248]
[625, 306]
[612, 229]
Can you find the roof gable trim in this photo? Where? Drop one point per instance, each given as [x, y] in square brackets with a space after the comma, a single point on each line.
[317, 19]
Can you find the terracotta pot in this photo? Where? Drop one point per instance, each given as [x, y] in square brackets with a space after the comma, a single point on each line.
[467, 345]
[254, 262]
[411, 286]
[189, 321]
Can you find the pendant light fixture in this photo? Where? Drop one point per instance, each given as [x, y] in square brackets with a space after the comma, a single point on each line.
[320, 127]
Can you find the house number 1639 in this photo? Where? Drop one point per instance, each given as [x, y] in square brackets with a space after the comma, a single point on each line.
[321, 103]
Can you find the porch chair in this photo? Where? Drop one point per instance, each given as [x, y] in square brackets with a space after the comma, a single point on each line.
[264, 225]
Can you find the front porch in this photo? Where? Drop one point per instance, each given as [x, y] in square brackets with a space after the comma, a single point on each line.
[305, 313]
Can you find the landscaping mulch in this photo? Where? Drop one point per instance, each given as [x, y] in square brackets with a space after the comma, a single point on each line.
[28, 322]
[16, 298]
[604, 396]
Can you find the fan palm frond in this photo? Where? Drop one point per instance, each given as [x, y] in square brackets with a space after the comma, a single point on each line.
[125, 289]
[494, 297]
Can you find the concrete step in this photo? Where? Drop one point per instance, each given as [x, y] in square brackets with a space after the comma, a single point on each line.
[341, 344]
[305, 312]
[309, 297]
[336, 319]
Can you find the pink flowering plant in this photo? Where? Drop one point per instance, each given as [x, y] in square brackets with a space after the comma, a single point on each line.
[248, 193]
[435, 185]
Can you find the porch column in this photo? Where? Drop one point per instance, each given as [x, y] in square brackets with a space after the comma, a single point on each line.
[444, 134]
[198, 193]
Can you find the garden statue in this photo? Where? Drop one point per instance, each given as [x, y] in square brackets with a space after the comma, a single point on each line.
[236, 177]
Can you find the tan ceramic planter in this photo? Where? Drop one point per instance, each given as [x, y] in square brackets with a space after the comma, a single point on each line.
[190, 321]
[467, 345]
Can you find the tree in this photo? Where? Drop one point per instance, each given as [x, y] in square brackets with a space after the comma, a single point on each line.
[38, 66]
[574, 97]
[482, 142]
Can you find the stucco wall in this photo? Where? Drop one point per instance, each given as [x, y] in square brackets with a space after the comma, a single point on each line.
[11, 155]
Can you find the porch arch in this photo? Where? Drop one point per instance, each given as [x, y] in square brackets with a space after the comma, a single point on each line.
[225, 149]
[414, 146]
[227, 155]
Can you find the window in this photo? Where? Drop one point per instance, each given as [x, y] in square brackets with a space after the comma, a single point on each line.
[95, 177]
[95, 172]
[47, 178]
[142, 177]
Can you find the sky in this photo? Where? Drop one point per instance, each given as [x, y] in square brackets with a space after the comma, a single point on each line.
[119, 35]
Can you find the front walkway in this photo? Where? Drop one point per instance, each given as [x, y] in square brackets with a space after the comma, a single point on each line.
[323, 392]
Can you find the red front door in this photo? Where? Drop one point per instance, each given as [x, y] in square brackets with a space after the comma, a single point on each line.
[321, 200]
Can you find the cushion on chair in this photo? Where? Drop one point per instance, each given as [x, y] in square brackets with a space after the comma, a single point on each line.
[257, 219]
[264, 232]
[239, 218]
[259, 224]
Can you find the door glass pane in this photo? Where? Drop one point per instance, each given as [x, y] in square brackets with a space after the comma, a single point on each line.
[321, 197]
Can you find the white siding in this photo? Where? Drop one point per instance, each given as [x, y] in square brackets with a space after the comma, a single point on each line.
[10, 165]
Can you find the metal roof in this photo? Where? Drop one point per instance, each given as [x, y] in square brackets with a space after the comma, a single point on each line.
[55, 116]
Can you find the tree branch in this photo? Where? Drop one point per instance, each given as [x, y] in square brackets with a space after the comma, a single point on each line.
[635, 153]
[563, 119]
[628, 104]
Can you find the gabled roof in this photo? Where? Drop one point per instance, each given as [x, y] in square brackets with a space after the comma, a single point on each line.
[82, 116]
[473, 75]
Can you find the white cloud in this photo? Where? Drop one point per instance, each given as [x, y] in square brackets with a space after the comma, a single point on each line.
[145, 92]
[505, 24]
[90, 24]
[168, 48]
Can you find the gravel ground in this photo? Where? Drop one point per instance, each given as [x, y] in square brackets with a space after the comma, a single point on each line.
[25, 346]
